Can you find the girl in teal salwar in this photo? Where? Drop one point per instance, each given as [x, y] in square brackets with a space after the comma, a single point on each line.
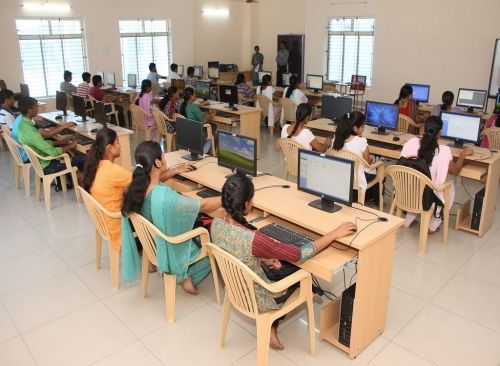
[170, 212]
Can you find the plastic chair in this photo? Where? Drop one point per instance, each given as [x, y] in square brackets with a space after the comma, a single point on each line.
[139, 124]
[210, 134]
[406, 124]
[360, 162]
[288, 111]
[48, 178]
[290, 149]
[161, 123]
[99, 215]
[409, 187]
[493, 135]
[17, 162]
[240, 284]
[108, 114]
[266, 105]
[147, 232]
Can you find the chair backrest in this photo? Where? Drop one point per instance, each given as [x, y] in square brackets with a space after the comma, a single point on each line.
[239, 281]
[13, 148]
[290, 149]
[264, 103]
[409, 185]
[358, 82]
[178, 115]
[146, 232]
[161, 121]
[289, 109]
[404, 123]
[493, 135]
[33, 156]
[97, 213]
[137, 115]
[358, 160]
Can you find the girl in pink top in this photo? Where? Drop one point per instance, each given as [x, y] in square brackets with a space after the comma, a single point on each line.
[439, 159]
[144, 101]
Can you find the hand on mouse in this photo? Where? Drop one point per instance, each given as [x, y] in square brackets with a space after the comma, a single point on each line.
[347, 228]
[466, 152]
[271, 263]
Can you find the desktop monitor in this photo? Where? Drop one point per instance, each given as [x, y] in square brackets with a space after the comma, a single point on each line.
[25, 90]
[228, 94]
[328, 177]
[79, 107]
[471, 98]
[100, 113]
[213, 70]
[62, 102]
[314, 82]
[190, 137]
[262, 73]
[198, 71]
[109, 79]
[3, 85]
[497, 104]
[132, 81]
[180, 70]
[460, 127]
[202, 89]
[286, 79]
[382, 115]
[237, 152]
[334, 107]
[420, 92]
[101, 74]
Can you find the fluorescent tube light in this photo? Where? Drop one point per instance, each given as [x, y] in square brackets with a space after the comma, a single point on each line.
[48, 7]
[216, 12]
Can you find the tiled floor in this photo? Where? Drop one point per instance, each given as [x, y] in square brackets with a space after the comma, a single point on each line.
[56, 309]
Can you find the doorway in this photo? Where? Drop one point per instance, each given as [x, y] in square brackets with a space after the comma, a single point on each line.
[295, 46]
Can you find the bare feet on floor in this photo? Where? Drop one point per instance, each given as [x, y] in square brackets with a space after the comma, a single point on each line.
[274, 341]
[189, 287]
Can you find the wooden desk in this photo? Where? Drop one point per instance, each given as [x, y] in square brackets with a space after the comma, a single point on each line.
[84, 128]
[127, 96]
[483, 166]
[230, 76]
[374, 247]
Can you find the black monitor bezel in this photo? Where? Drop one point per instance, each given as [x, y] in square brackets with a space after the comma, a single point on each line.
[59, 96]
[24, 87]
[84, 114]
[428, 92]
[100, 105]
[197, 82]
[326, 196]
[472, 106]
[178, 122]
[315, 75]
[234, 94]
[211, 65]
[458, 139]
[378, 125]
[333, 97]
[253, 173]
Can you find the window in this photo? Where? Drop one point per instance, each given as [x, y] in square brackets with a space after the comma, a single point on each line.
[48, 47]
[143, 42]
[350, 48]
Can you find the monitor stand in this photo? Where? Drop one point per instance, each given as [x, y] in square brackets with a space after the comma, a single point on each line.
[83, 119]
[459, 144]
[381, 131]
[235, 172]
[470, 110]
[325, 205]
[191, 157]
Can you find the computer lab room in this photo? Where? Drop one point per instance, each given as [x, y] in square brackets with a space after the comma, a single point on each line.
[249, 182]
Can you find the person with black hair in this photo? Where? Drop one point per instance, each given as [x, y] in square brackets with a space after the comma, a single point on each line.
[293, 92]
[7, 101]
[257, 64]
[83, 89]
[438, 158]
[259, 252]
[274, 114]
[173, 75]
[407, 105]
[447, 105]
[190, 79]
[170, 212]
[282, 62]
[155, 77]
[168, 105]
[299, 133]
[97, 93]
[144, 101]
[244, 91]
[66, 85]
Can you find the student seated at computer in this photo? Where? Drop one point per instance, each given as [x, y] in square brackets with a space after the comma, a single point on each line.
[97, 93]
[268, 258]
[6, 103]
[439, 159]
[244, 91]
[170, 105]
[66, 85]
[298, 131]
[266, 89]
[25, 132]
[407, 105]
[192, 111]
[447, 105]
[172, 213]
[493, 121]
[173, 75]
[83, 89]
[190, 79]
[155, 77]
[349, 136]
[293, 92]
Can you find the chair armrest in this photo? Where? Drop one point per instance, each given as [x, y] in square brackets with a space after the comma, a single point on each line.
[285, 283]
[201, 232]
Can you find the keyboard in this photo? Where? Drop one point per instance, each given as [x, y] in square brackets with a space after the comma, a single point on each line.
[80, 139]
[207, 193]
[285, 235]
[383, 145]
[45, 124]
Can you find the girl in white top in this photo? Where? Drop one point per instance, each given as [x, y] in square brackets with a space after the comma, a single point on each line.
[349, 137]
[267, 90]
[297, 132]
[293, 93]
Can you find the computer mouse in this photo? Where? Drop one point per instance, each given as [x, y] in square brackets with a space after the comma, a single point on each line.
[382, 219]
[285, 186]
[94, 130]
[234, 109]
[58, 117]
[193, 168]
[396, 138]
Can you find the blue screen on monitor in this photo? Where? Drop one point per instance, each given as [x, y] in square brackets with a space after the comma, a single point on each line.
[382, 114]
[420, 92]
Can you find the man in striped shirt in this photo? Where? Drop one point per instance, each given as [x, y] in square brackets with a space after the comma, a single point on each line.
[83, 89]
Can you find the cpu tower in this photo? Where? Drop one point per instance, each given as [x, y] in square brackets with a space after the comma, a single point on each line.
[346, 307]
[477, 209]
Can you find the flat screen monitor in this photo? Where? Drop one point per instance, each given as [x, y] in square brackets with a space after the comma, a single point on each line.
[180, 70]
[79, 107]
[314, 82]
[198, 71]
[213, 70]
[109, 79]
[62, 102]
[382, 115]
[190, 137]
[420, 92]
[497, 104]
[237, 152]
[3, 86]
[460, 127]
[228, 94]
[101, 74]
[328, 177]
[286, 79]
[132, 81]
[471, 98]
[262, 73]
[100, 113]
[25, 90]
[202, 89]
[334, 107]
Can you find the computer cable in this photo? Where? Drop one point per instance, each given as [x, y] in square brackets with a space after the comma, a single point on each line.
[202, 165]
[273, 186]
[465, 189]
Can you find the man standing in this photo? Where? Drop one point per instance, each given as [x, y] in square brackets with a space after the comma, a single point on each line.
[257, 62]
[282, 61]
[155, 77]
